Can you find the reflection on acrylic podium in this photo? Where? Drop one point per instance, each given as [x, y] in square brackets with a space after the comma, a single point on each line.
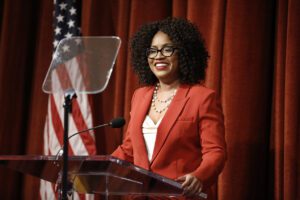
[104, 175]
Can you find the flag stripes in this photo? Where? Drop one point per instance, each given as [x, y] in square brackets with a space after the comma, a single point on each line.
[68, 73]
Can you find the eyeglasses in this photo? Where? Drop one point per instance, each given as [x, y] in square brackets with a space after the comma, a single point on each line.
[166, 51]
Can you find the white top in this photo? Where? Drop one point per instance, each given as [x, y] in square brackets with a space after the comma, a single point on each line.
[149, 129]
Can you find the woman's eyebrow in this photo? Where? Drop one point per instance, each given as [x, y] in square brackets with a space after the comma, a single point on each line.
[164, 45]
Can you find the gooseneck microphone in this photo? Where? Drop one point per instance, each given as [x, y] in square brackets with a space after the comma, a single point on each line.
[114, 123]
[117, 122]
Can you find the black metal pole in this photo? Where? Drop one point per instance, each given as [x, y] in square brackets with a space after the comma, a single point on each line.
[67, 110]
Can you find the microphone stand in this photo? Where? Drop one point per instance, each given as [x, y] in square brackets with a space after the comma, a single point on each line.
[67, 110]
[74, 134]
[115, 123]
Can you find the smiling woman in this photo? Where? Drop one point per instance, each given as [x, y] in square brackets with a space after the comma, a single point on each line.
[162, 60]
[170, 59]
[179, 33]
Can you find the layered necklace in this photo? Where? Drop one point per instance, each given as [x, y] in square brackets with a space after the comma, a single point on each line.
[166, 102]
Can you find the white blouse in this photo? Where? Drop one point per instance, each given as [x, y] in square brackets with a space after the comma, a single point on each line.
[149, 129]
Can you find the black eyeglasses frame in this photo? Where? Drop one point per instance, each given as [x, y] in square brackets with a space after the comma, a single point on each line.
[161, 51]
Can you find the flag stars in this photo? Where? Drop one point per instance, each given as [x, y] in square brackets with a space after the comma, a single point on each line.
[66, 48]
[63, 6]
[71, 23]
[60, 18]
[68, 35]
[66, 25]
[78, 41]
[57, 30]
[55, 43]
[73, 11]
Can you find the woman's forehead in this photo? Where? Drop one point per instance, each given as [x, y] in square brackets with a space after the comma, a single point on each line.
[160, 39]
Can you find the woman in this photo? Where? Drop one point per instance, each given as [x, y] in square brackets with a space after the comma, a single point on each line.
[176, 126]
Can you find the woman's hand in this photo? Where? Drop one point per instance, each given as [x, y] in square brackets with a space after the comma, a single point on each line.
[191, 185]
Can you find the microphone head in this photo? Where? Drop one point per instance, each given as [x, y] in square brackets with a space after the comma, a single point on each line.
[117, 122]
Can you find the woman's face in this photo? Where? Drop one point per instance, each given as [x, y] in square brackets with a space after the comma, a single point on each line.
[164, 66]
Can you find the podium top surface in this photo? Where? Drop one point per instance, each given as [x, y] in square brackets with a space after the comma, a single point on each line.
[96, 174]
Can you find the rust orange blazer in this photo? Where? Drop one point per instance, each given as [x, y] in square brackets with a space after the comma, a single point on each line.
[190, 137]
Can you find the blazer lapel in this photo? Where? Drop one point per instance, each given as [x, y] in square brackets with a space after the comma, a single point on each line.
[138, 119]
[170, 118]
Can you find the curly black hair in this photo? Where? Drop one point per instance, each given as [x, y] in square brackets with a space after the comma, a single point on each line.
[185, 35]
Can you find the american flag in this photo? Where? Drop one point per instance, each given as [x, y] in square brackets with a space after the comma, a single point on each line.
[67, 24]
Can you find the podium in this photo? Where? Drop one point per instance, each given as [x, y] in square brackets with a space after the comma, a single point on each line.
[105, 175]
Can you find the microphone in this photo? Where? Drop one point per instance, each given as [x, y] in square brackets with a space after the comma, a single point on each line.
[114, 123]
[117, 122]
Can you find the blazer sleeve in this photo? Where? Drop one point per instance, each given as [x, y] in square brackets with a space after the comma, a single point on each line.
[212, 138]
[125, 150]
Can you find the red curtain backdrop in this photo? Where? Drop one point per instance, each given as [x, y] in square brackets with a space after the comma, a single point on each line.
[254, 66]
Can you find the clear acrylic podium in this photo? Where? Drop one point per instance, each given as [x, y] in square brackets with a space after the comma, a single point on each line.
[103, 175]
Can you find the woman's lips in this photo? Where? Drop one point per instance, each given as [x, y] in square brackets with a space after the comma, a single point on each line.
[161, 66]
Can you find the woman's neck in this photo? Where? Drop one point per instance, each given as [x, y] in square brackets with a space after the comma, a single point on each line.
[169, 86]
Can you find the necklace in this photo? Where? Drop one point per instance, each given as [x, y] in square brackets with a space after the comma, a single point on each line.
[167, 101]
